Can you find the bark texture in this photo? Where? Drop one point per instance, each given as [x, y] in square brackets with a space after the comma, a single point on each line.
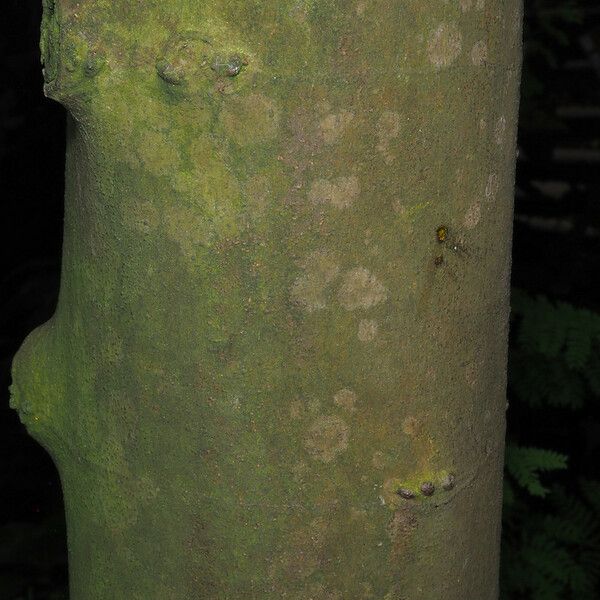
[277, 365]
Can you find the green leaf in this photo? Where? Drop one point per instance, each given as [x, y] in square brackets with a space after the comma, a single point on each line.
[526, 464]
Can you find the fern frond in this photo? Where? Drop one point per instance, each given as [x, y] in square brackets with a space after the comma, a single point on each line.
[526, 465]
[541, 381]
[551, 329]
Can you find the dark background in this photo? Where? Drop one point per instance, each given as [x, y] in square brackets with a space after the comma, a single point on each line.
[551, 540]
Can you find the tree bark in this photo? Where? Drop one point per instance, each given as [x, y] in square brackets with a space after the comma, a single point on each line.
[277, 364]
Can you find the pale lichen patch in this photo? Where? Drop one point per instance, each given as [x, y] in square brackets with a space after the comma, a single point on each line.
[313, 405]
[411, 426]
[465, 5]
[472, 374]
[473, 215]
[367, 330]
[360, 289]
[445, 45]
[500, 130]
[296, 409]
[388, 128]
[327, 437]
[345, 399]
[339, 192]
[378, 459]
[299, 470]
[358, 514]
[309, 289]
[479, 53]
[332, 126]
[492, 186]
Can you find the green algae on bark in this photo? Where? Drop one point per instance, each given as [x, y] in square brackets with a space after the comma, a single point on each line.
[266, 377]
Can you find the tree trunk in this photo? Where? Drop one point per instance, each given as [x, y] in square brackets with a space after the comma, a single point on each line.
[277, 365]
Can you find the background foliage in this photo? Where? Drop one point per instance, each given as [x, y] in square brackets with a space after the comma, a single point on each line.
[551, 530]
[551, 520]
[551, 534]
